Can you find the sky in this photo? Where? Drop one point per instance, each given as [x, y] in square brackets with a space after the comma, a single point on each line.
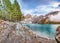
[39, 7]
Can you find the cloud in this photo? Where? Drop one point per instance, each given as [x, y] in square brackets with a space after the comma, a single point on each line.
[27, 11]
[55, 4]
[41, 9]
[48, 8]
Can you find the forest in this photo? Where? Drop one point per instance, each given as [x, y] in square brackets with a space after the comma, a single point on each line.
[10, 11]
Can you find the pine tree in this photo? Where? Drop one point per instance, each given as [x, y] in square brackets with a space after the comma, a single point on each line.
[13, 11]
[17, 11]
[0, 8]
[8, 9]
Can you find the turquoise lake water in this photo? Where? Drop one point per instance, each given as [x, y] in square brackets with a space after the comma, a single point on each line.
[44, 30]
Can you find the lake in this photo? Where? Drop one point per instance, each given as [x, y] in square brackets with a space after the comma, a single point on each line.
[44, 30]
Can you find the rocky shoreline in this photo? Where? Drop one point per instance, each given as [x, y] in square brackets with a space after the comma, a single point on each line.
[17, 33]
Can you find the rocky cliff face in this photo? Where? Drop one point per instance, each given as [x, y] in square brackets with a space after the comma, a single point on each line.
[17, 33]
[52, 17]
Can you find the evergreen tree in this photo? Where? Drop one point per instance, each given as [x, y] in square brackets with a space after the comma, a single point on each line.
[17, 15]
[0, 8]
[7, 9]
[13, 11]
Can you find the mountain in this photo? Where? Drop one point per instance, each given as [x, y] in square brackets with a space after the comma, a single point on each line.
[50, 18]
[28, 16]
[53, 17]
[27, 19]
[37, 19]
